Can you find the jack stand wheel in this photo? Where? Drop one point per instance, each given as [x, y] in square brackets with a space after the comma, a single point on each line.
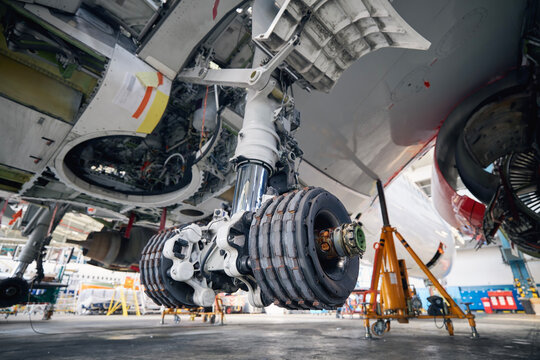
[474, 333]
[213, 319]
[387, 328]
[368, 336]
[48, 312]
[449, 326]
[379, 327]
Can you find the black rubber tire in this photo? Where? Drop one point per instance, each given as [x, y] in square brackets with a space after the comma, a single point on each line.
[13, 291]
[266, 294]
[283, 249]
[154, 275]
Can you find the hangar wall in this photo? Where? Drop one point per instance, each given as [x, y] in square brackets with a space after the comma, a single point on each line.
[484, 267]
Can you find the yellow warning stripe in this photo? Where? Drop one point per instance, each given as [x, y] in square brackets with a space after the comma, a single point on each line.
[154, 113]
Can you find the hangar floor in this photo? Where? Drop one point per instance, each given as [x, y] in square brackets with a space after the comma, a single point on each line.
[262, 337]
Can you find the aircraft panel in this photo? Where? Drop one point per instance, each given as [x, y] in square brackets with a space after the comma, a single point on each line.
[389, 105]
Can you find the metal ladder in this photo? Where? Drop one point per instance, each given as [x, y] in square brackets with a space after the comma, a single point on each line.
[523, 281]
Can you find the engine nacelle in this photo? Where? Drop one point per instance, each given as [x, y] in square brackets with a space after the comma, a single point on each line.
[112, 250]
[492, 129]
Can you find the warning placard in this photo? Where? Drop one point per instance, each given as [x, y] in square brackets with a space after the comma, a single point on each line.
[130, 94]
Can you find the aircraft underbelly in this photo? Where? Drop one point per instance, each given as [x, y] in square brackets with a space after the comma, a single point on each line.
[388, 106]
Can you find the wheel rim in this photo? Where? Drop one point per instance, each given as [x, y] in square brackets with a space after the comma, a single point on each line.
[335, 267]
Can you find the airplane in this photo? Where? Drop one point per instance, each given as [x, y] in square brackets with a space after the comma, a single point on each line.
[229, 118]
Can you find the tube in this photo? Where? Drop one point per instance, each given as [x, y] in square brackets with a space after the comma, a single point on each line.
[251, 184]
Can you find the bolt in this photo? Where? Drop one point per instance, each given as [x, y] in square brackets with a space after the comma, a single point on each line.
[325, 247]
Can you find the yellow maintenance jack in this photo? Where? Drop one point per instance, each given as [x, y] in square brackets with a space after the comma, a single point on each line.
[396, 297]
[114, 305]
[216, 314]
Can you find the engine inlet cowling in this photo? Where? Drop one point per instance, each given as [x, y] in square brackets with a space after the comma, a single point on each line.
[516, 206]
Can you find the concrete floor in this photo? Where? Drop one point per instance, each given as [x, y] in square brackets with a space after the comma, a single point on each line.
[262, 337]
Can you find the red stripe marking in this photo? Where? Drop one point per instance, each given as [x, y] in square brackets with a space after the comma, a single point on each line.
[127, 233]
[160, 78]
[428, 143]
[163, 219]
[143, 103]
[15, 216]
[214, 10]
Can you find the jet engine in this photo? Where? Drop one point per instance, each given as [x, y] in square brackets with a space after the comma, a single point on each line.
[113, 250]
[490, 142]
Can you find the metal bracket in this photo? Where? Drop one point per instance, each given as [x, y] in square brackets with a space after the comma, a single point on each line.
[256, 78]
[272, 26]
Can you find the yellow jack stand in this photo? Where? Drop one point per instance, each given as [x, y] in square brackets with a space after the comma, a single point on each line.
[216, 313]
[113, 306]
[395, 295]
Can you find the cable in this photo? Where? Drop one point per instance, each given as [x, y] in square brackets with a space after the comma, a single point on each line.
[203, 117]
[28, 301]
[435, 321]
[173, 155]
[166, 161]
[210, 145]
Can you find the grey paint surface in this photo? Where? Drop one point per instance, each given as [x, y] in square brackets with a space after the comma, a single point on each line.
[389, 104]
[24, 130]
[181, 31]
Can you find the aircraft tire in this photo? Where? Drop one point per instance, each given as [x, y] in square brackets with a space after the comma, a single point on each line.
[284, 257]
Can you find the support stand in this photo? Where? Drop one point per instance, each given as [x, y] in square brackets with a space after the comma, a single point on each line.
[217, 313]
[114, 305]
[395, 294]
